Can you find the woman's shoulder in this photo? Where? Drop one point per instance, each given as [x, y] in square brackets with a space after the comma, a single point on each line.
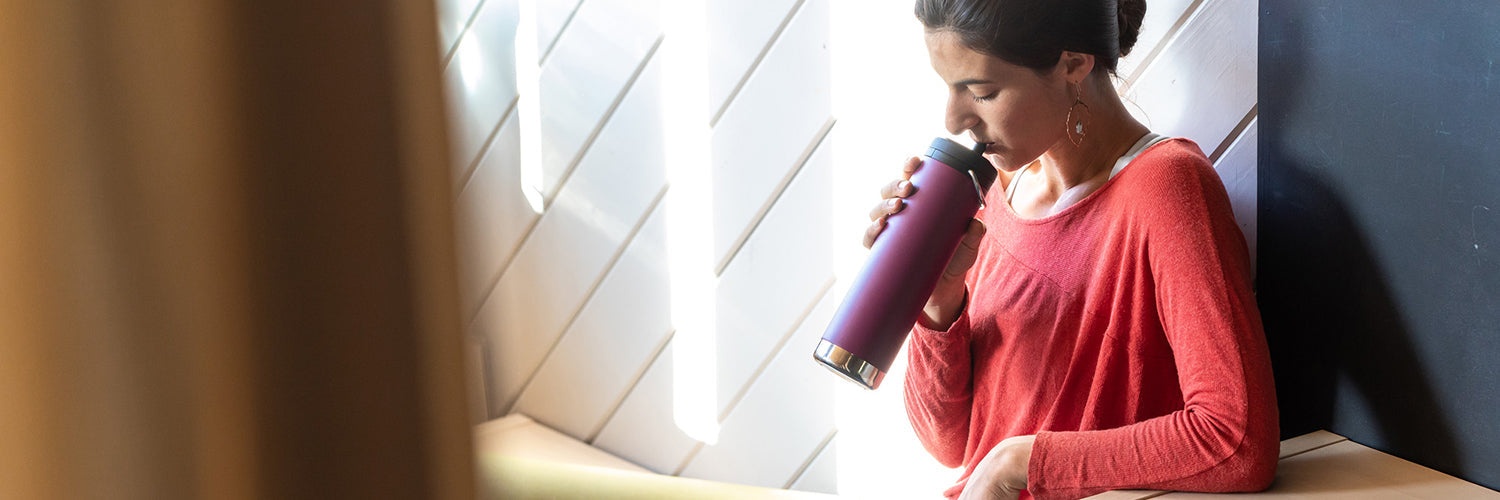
[1172, 176]
[1173, 159]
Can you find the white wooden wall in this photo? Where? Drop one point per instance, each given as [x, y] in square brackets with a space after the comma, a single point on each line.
[569, 305]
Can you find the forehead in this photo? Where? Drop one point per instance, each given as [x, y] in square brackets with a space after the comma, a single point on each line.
[955, 62]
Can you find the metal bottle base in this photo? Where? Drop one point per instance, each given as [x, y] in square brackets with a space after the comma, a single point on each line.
[848, 365]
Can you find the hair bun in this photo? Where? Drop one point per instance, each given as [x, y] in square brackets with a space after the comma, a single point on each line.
[1130, 13]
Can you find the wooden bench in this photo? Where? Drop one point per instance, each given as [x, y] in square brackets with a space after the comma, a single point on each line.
[1324, 465]
[520, 459]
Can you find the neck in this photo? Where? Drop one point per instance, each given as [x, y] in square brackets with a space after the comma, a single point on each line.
[1112, 132]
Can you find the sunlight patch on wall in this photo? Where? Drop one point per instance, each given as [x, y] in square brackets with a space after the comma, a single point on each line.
[529, 106]
[889, 105]
[690, 218]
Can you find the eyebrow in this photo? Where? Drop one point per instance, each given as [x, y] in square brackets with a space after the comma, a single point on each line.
[971, 81]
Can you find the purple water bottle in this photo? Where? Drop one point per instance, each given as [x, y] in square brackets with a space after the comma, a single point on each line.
[904, 264]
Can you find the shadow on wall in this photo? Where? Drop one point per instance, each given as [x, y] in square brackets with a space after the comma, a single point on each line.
[1332, 325]
[1343, 348]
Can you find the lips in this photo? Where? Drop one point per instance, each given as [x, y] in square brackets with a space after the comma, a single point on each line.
[988, 145]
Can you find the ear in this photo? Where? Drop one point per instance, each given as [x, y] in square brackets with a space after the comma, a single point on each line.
[1075, 65]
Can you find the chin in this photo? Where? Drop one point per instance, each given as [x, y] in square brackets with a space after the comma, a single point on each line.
[1003, 162]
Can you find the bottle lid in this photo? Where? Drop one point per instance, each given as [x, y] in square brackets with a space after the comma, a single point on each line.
[966, 160]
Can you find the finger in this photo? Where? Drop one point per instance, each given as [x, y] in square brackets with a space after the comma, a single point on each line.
[887, 207]
[974, 233]
[900, 188]
[972, 490]
[968, 250]
[873, 231]
[910, 167]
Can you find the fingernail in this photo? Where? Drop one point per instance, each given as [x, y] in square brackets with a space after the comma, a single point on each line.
[893, 202]
[902, 186]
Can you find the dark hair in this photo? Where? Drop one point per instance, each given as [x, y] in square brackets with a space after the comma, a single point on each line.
[1033, 33]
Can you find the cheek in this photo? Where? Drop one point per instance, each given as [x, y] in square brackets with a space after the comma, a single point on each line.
[1025, 128]
[1027, 120]
[1038, 109]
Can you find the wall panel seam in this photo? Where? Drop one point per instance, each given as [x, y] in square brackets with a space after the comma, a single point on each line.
[635, 380]
[608, 113]
[765, 208]
[560, 30]
[459, 38]
[1166, 40]
[1315, 448]
[754, 65]
[485, 374]
[802, 469]
[474, 162]
[489, 290]
[688, 459]
[594, 287]
[734, 402]
[759, 370]
[472, 165]
[494, 280]
[1234, 135]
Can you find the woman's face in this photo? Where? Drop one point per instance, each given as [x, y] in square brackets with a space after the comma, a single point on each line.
[1019, 112]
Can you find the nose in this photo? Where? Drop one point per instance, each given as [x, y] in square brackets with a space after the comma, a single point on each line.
[959, 115]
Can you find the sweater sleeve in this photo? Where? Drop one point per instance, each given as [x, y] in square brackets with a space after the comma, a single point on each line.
[939, 388]
[1225, 437]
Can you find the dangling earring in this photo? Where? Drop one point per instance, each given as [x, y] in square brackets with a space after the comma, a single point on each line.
[1076, 130]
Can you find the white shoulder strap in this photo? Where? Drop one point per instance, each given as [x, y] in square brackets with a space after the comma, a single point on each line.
[1146, 141]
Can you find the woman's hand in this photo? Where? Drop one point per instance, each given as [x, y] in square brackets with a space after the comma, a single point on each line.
[892, 200]
[1001, 475]
[947, 299]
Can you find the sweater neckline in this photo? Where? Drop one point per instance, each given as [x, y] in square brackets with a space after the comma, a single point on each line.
[1010, 211]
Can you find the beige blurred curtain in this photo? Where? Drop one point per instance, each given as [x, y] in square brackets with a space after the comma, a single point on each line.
[226, 263]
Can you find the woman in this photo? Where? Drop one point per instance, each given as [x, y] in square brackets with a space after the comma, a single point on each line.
[1096, 329]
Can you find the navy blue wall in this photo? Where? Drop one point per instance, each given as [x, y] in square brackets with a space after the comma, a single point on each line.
[1379, 274]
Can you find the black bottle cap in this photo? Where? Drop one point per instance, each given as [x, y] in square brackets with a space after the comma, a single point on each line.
[964, 160]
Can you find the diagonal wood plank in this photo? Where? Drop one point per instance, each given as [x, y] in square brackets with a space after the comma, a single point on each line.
[491, 215]
[1164, 18]
[611, 342]
[773, 122]
[586, 75]
[641, 430]
[589, 223]
[743, 32]
[821, 475]
[453, 17]
[1204, 80]
[480, 84]
[552, 17]
[775, 278]
[1237, 168]
[781, 422]
[761, 299]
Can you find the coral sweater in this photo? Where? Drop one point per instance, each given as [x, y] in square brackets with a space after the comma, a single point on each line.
[1122, 332]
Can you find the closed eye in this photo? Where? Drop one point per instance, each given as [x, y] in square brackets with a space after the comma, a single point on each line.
[986, 98]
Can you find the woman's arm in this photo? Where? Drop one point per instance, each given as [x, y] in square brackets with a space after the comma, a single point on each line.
[1226, 436]
[939, 388]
